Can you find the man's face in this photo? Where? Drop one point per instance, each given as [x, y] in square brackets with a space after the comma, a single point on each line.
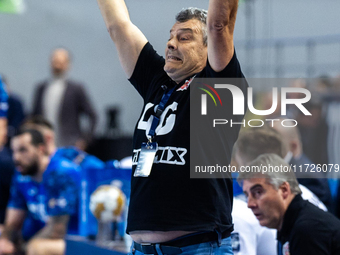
[185, 52]
[25, 155]
[3, 132]
[265, 202]
[60, 62]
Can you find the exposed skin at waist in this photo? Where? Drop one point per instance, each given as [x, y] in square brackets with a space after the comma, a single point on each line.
[156, 236]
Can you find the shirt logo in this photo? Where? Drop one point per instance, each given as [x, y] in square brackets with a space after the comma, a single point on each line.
[3, 106]
[166, 155]
[61, 202]
[186, 85]
[166, 122]
[32, 192]
[52, 203]
[285, 249]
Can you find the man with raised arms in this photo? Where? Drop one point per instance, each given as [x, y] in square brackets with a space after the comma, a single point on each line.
[169, 212]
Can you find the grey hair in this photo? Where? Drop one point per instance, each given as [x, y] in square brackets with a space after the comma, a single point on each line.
[195, 13]
[275, 178]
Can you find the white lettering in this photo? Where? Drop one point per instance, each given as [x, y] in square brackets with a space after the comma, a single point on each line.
[297, 101]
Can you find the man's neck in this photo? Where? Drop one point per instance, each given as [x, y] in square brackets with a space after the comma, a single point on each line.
[43, 163]
[287, 203]
[179, 79]
[58, 76]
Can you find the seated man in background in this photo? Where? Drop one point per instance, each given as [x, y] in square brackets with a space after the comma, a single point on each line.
[254, 142]
[45, 189]
[249, 237]
[6, 163]
[275, 199]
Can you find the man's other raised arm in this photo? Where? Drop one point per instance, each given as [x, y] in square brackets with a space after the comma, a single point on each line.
[128, 39]
[220, 24]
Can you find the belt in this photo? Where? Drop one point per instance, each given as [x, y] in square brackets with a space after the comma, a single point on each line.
[173, 247]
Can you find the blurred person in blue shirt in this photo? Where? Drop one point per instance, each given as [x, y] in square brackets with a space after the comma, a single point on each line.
[6, 163]
[44, 189]
[15, 113]
[81, 158]
[86, 161]
[3, 113]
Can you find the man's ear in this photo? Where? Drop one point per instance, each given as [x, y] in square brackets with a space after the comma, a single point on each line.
[285, 190]
[43, 149]
[293, 146]
[48, 137]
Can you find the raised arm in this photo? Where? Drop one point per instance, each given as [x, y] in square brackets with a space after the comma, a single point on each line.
[129, 40]
[220, 24]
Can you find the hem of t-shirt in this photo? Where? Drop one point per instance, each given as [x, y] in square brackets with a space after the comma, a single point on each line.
[16, 207]
[198, 227]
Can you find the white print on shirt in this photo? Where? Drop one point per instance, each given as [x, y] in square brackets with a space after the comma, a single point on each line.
[166, 123]
[61, 202]
[186, 85]
[37, 210]
[166, 155]
[286, 249]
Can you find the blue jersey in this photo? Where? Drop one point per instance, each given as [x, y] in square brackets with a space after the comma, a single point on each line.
[57, 194]
[81, 158]
[91, 168]
[3, 100]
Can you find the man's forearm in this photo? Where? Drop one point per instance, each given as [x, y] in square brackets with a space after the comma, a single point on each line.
[55, 229]
[11, 234]
[48, 233]
[114, 12]
[220, 25]
[129, 40]
[222, 13]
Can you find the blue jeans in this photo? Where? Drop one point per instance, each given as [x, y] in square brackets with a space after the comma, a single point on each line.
[200, 249]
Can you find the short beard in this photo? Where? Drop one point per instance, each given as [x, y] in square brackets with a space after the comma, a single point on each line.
[31, 170]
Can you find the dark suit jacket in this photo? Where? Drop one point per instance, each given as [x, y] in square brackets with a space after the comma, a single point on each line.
[75, 102]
